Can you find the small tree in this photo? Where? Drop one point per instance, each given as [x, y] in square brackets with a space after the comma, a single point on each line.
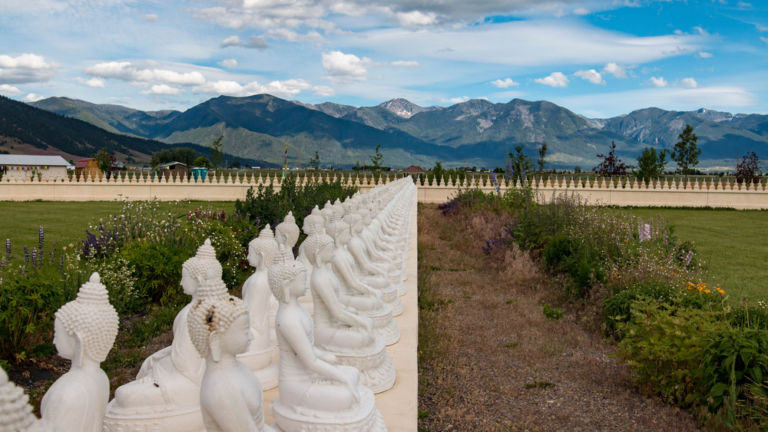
[438, 171]
[315, 161]
[376, 159]
[749, 169]
[611, 164]
[542, 156]
[686, 153]
[650, 164]
[105, 161]
[216, 154]
[202, 161]
[520, 163]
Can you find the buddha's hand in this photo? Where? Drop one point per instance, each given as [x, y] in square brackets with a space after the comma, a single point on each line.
[328, 357]
[352, 386]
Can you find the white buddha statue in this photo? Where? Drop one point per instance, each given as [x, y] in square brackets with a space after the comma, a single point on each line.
[356, 293]
[15, 410]
[84, 332]
[230, 394]
[342, 330]
[258, 299]
[287, 234]
[166, 391]
[315, 394]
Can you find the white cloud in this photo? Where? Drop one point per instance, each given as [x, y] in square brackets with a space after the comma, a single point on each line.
[581, 11]
[555, 79]
[590, 75]
[25, 68]
[658, 82]
[93, 82]
[127, 71]
[615, 70]
[323, 91]
[704, 54]
[405, 63]
[228, 63]
[285, 89]
[761, 28]
[292, 36]
[689, 83]
[416, 19]
[701, 31]
[162, 89]
[455, 100]
[764, 39]
[9, 89]
[231, 41]
[345, 67]
[505, 83]
[150, 18]
[31, 97]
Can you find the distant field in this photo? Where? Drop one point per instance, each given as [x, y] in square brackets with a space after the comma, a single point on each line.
[66, 222]
[733, 243]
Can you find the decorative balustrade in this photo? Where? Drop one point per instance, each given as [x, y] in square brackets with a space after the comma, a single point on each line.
[669, 191]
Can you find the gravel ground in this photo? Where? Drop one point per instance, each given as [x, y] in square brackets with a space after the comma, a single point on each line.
[496, 363]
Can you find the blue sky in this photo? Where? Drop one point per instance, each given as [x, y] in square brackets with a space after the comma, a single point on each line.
[599, 58]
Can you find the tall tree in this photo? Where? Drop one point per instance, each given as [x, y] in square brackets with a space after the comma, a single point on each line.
[520, 163]
[216, 154]
[650, 164]
[541, 161]
[315, 161]
[686, 152]
[105, 161]
[749, 169]
[376, 158]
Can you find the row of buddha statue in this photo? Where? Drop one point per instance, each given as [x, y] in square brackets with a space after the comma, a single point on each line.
[323, 348]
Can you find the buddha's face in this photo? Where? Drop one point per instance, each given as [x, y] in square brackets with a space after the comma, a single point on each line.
[65, 343]
[325, 254]
[188, 282]
[255, 258]
[236, 338]
[298, 285]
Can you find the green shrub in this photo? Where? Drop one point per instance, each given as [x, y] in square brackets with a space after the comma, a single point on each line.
[755, 317]
[553, 313]
[575, 259]
[119, 277]
[663, 344]
[158, 270]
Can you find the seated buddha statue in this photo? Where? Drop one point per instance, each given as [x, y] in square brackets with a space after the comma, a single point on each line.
[84, 332]
[315, 393]
[166, 390]
[16, 412]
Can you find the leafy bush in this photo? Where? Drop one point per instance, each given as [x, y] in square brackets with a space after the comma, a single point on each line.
[158, 270]
[575, 260]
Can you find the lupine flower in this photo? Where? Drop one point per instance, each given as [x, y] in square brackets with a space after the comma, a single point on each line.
[2, 263]
[40, 238]
[34, 257]
[493, 178]
[8, 249]
[26, 255]
[688, 258]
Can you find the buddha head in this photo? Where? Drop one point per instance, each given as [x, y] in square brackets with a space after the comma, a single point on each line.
[313, 224]
[287, 276]
[219, 326]
[262, 249]
[355, 222]
[319, 249]
[196, 269]
[287, 232]
[342, 234]
[86, 327]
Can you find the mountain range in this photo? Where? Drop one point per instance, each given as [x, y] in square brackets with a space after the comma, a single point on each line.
[472, 133]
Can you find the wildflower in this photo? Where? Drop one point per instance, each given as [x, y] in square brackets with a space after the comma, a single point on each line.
[707, 291]
[720, 290]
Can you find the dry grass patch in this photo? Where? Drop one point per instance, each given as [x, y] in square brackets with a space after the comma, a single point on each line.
[490, 360]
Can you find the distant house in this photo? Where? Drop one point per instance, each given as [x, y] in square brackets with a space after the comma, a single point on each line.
[412, 170]
[175, 169]
[88, 167]
[30, 166]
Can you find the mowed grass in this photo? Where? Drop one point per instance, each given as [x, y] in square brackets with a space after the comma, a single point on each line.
[732, 243]
[65, 221]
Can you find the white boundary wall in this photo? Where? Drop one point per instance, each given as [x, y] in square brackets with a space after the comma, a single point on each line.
[712, 192]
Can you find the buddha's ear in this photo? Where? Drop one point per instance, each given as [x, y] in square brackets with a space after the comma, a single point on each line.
[214, 343]
[79, 350]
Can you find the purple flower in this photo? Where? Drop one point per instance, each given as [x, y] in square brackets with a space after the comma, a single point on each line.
[26, 255]
[8, 249]
[495, 182]
[40, 238]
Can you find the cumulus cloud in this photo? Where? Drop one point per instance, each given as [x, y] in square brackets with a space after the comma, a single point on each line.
[228, 63]
[9, 89]
[455, 100]
[150, 18]
[555, 79]
[505, 83]
[93, 82]
[704, 54]
[162, 89]
[323, 91]
[405, 63]
[256, 42]
[286, 89]
[581, 11]
[31, 97]
[231, 41]
[416, 18]
[345, 67]
[127, 71]
[615, 70]
[590, 75]
[292, 36]
[689, 83]
[658, 82]
[25, 68]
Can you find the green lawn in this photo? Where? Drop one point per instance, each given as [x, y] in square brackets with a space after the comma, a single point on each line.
[66, 222]
[733, 244]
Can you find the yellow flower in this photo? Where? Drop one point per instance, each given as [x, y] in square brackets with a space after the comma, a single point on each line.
[707, 291]
[720, 290]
